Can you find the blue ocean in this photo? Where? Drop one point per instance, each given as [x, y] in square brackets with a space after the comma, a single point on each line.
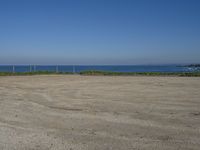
[113, 68]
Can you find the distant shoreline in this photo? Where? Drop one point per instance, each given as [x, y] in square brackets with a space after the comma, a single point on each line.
[103, 73]
[190, 65]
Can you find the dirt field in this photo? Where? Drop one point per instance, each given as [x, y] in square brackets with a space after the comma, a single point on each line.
[75, 112]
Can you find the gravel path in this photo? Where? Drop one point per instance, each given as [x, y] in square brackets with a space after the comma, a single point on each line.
[73, 112]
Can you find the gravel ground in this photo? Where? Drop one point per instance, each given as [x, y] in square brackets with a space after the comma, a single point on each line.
[73, 112]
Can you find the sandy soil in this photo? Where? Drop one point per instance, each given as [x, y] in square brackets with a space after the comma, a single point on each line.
[99, 113]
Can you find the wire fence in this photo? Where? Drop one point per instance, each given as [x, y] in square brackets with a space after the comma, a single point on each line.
[80, 68]
[38, 68]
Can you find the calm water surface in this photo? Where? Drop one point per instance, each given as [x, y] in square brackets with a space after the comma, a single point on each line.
[62, 68]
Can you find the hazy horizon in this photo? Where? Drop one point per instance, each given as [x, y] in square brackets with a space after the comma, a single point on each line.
[36, 64]
[101, 32]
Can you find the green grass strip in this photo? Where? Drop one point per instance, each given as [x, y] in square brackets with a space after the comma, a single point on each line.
[107, 73]
[104, 73]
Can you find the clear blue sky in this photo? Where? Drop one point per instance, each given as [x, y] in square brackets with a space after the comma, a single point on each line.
[99, 31]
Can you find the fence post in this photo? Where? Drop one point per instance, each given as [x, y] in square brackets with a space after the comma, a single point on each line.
[13, 69]
[74, 71]
[30, 68]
